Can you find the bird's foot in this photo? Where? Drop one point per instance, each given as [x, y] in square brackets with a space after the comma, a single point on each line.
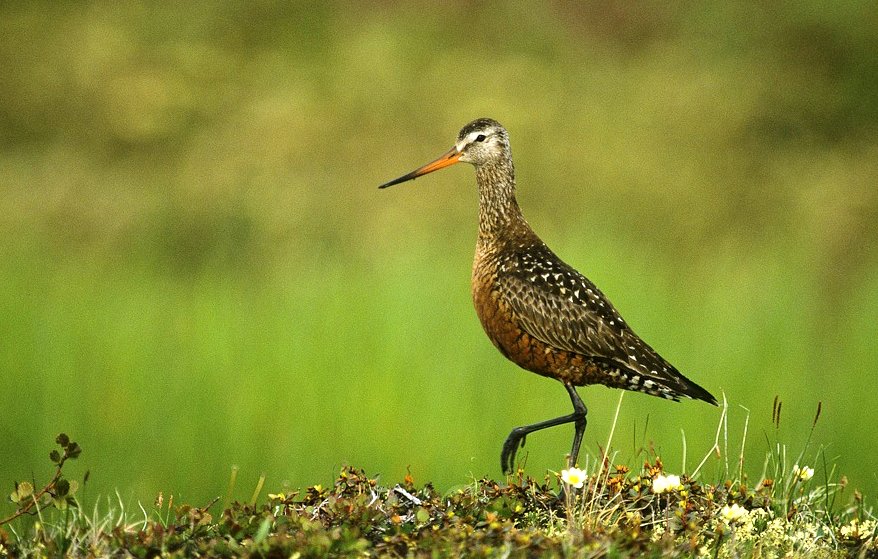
[514, 441]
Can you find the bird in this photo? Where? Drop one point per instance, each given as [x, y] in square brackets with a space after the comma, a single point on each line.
[539, 312]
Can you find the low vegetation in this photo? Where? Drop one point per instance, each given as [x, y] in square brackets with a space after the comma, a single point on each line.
[603, 510]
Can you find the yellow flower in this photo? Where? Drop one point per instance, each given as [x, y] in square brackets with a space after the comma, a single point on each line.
[666, 484]
[804, 473]
[733, 513]
[573, 477]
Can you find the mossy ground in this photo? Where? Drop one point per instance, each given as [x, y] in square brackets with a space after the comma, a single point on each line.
[615, 514]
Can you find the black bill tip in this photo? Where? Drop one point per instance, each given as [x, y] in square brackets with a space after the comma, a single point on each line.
[403, 178]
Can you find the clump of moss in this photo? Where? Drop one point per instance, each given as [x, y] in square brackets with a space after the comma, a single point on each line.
[611, 512]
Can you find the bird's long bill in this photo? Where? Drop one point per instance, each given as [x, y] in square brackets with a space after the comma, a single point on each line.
[451, 157]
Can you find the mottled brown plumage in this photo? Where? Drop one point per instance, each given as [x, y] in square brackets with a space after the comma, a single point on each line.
[538, 311]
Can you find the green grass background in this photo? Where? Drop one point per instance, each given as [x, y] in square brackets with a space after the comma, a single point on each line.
[198, 271]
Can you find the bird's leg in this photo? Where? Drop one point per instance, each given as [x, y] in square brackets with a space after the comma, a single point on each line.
[518, 435]
[579, 412]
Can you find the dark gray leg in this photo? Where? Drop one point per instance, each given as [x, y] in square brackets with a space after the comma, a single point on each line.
[517, 437]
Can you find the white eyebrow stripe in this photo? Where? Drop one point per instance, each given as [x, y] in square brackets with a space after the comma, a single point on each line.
[471, 137]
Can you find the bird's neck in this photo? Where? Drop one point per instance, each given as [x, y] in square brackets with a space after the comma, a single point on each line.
[499, 214]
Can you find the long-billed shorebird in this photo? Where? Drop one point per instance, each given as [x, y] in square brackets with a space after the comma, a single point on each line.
[538, 311]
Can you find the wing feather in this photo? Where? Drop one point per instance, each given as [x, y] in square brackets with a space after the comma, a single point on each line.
[559, 306]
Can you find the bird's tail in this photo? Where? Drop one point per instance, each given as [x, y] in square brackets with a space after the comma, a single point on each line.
[656, 376]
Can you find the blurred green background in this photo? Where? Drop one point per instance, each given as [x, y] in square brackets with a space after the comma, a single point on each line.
[198, 270]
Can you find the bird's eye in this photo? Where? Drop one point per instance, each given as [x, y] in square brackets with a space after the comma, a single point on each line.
[480, 138]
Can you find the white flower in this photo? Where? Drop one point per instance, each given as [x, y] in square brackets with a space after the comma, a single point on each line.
[573, 477]
[666, 484]
[733, 513]
[804, 473]
[859, 529]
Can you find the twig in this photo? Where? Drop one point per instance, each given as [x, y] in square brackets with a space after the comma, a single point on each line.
[26, 509]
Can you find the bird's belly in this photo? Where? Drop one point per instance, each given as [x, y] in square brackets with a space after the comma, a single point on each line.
[502, 327]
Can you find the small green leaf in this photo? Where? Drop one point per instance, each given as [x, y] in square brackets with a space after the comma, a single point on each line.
[423, 515]
[73, 450]
[62, 488]
[24, 489]
[62, 439]
[262, 533]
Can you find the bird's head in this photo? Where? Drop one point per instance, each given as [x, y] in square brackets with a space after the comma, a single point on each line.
[480, 142]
